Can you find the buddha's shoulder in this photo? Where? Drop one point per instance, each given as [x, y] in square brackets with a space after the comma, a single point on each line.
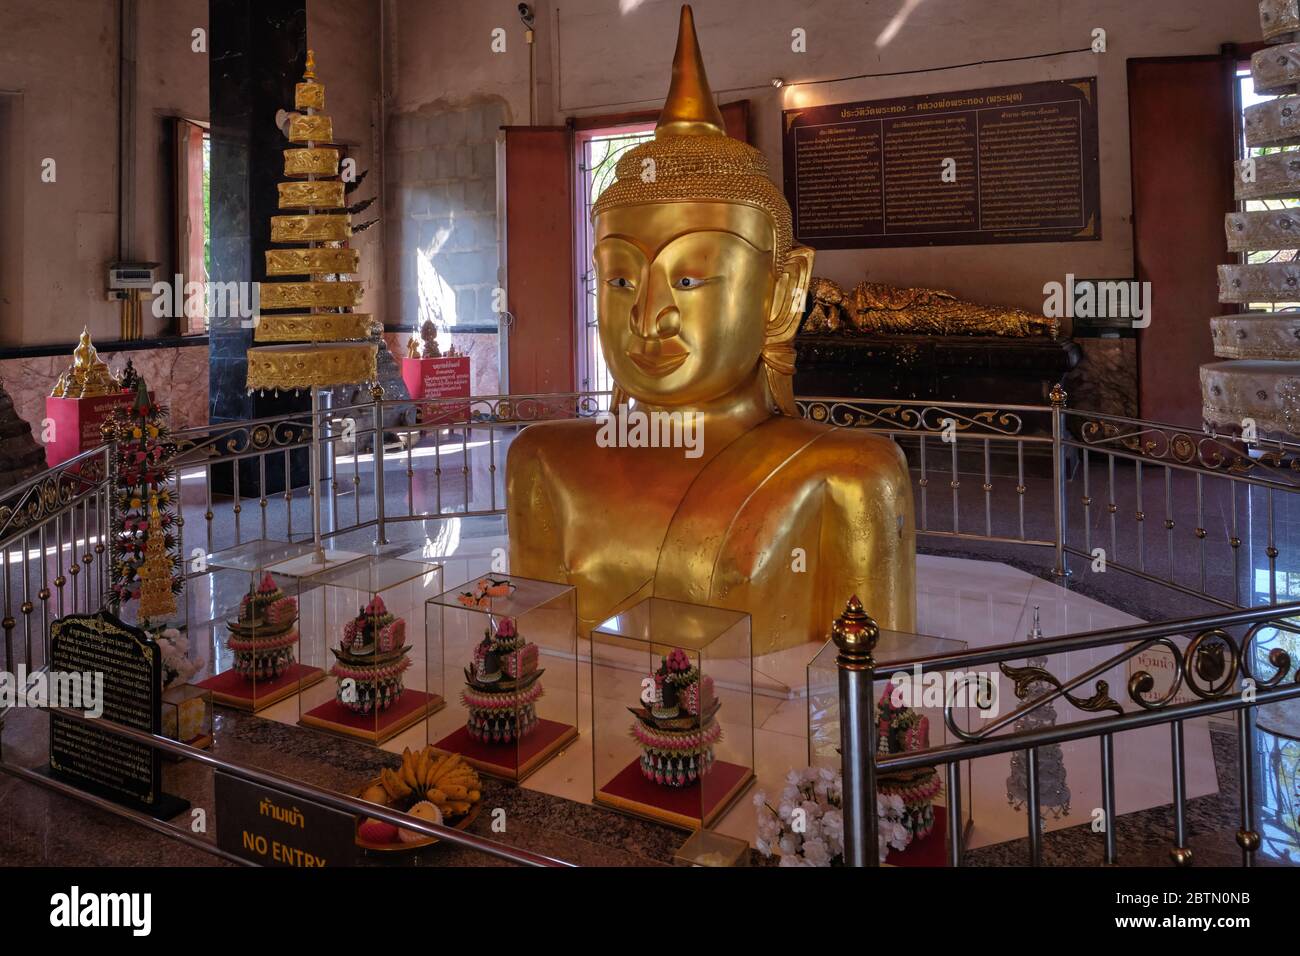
[832, 449]
[554, 441]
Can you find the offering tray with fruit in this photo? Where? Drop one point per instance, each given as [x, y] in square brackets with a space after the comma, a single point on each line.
[439, 788]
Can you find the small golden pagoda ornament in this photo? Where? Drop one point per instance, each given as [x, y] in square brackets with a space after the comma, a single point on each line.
[89, 375]
[157, 599]
[329, 344]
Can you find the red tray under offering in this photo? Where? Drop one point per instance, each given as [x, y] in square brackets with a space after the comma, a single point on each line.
[512, 761]
[411, 708]
[930, 850]
[684, 807]
[234, 690]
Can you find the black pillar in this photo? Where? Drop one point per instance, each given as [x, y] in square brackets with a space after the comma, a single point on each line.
[258, 51]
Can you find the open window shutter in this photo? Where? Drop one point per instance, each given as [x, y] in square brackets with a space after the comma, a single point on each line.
[189, 215]
[539, 212]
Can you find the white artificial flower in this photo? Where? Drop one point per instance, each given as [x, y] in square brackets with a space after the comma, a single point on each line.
[816, 853]
[790, 844]
[899, 837]
[833, 831]
[792, 861]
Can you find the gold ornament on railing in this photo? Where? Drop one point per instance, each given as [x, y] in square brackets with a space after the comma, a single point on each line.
[88, 375]
[336, 346]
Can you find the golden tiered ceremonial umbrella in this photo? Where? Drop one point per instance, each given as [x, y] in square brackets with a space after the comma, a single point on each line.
[320, 341]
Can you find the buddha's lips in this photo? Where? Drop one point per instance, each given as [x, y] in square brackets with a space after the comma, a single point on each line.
[658, 364]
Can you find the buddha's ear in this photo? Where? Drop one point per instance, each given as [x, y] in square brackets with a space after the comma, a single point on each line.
[782, 324]
[789, 295]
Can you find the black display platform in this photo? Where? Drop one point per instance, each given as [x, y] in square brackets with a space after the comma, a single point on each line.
[930, 368]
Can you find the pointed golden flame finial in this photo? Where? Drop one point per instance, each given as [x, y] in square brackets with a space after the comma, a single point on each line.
[310, 72]
[690, 109]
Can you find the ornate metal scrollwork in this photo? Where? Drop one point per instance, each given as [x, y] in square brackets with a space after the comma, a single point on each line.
[511, 409]
[848, 413]
[228, 440]
[40, 498]
[1025, 678]
[1217, 659]
[1162, 444]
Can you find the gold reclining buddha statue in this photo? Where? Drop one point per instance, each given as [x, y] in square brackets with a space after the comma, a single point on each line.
[878, 309]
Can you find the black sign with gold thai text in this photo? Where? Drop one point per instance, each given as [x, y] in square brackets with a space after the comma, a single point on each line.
[1007, 164]
[131, 667]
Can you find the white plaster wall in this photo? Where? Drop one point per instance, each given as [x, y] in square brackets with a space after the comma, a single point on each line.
[603, 56]
[61, 56]
[345, 36]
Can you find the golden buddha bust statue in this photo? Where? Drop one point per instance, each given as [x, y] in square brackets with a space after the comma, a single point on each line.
[699, 291]
[89, 375]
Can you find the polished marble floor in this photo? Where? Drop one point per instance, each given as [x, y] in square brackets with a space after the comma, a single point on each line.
[976, 602]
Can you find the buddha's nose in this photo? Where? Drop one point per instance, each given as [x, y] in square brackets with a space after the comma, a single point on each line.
[656, 316]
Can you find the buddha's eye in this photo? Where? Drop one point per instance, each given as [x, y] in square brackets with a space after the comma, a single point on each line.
[620, 282]
[687, 282]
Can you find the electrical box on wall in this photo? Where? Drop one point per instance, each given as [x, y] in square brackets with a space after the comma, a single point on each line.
[124, 276]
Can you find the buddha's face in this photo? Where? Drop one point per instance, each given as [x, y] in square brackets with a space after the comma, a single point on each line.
[684, 291]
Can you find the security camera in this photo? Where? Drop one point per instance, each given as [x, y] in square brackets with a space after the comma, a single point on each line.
[526, 14]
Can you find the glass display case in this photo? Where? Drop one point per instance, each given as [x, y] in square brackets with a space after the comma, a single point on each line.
[672, 711]
[909, 708]
[246, 618]
[511, 646]
[384, 678]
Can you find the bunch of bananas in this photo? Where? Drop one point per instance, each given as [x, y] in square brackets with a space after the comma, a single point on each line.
[445, 780]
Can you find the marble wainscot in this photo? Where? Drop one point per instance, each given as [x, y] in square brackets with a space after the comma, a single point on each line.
[177, 376]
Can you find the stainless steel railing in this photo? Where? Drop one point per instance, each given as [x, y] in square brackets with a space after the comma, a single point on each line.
[1147, 468]
[278, 782]
[1223, 671]
[983, 473]
[53, 528]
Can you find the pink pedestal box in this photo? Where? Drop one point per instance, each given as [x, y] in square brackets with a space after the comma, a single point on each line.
[443, 377]
[77, 422]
